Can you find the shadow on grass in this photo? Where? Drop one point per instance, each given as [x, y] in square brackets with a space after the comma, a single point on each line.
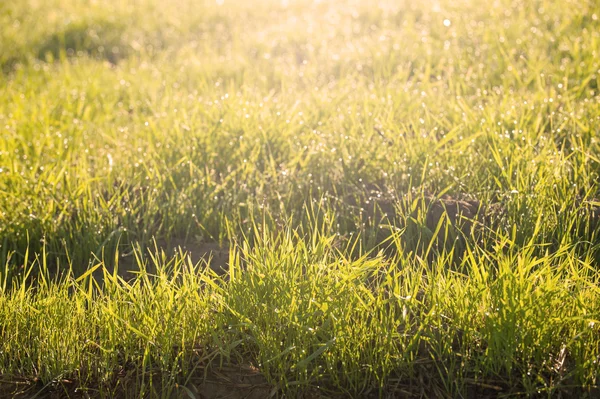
[101, 40]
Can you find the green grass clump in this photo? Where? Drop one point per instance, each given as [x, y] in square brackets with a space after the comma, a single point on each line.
[311, 319]
[408, 193]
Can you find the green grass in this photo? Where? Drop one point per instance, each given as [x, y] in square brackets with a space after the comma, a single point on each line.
[313, 140]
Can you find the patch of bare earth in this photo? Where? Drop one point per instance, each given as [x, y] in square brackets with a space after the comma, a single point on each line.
[197, 251]
[232, 382]
[216, 256]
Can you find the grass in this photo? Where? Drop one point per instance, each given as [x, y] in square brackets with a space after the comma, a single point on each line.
[328, 146]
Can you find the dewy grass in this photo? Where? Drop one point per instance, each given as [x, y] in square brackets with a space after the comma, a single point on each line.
[408, 192]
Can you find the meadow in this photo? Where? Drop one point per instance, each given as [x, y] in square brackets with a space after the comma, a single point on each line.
[295, 198]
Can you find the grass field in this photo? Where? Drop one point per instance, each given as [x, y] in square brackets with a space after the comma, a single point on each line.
[299, 198]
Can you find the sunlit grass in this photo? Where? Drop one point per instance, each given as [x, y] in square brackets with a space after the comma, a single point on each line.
[325, 144]
[307, 316]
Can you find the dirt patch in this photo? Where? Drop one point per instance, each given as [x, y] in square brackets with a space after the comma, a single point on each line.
[382, 205]
[227, 382]
[460, 213]
[233, 383]
[464, 215]
[215, 255]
